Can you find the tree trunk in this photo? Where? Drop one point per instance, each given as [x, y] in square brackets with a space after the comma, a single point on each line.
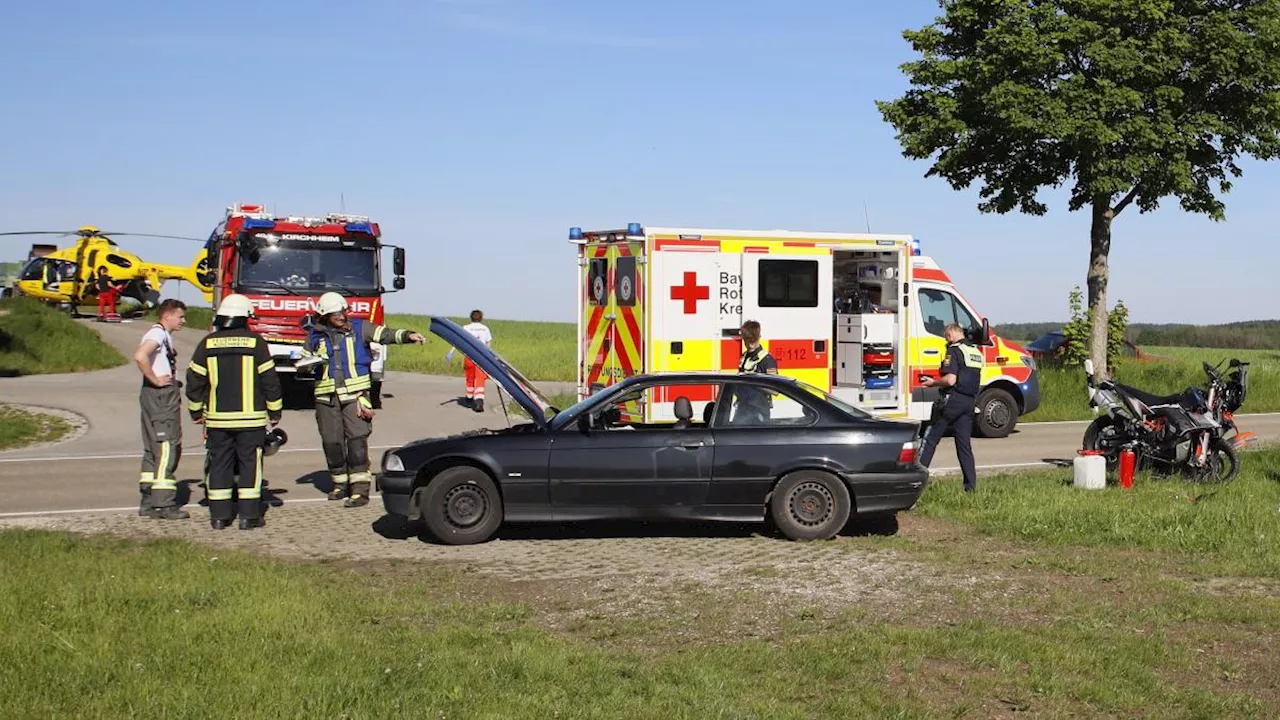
[1099, 249]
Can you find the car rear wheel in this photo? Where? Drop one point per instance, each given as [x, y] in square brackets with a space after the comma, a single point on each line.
[461, 506]
[810, 505]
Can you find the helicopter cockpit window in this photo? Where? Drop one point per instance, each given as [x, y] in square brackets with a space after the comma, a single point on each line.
[119, 261]
[59, 270]
[33, 270]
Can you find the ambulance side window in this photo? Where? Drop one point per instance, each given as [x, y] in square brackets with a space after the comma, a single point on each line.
[939, 308]
[788, 283]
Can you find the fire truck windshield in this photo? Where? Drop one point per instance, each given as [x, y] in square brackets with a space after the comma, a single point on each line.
[281, 268]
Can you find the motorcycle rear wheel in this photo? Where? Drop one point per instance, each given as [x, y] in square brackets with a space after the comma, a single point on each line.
[1098, 431]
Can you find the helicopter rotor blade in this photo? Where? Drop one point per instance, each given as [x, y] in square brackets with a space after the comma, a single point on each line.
[41, 232]
[170, 237]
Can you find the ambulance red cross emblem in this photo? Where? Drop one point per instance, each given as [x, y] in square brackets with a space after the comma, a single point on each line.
[690, 292]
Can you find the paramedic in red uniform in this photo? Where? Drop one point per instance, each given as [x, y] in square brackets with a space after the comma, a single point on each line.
[108, 294]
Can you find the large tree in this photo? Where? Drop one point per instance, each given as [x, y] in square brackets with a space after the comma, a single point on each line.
[1127, 101]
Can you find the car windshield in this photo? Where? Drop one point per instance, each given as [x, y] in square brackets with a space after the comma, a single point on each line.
[312, 268]
[852, 410]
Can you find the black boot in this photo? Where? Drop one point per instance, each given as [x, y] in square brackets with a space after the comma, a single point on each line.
[251, 523]
[217, 524]
[338, 492]
[478, 405]
[168, 513]
[359, 495]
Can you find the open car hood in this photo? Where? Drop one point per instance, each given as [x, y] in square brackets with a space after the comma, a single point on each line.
[518, 386]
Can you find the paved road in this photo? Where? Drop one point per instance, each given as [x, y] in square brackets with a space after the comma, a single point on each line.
[96, 470]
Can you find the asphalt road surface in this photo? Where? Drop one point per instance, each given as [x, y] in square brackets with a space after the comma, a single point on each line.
[98, 469]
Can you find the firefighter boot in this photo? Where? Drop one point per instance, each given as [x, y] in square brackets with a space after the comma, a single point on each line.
[171, 512]
[359, 495]
[478, 405]
[251, 523]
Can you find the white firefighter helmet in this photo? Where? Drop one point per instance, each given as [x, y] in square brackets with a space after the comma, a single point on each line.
[235, 305]
[331, 302]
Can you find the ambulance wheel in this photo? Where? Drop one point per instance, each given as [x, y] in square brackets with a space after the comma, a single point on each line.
[461, 506]
[997, 413]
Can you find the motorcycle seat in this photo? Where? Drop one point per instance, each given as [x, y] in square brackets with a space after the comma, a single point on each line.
[1149, 399]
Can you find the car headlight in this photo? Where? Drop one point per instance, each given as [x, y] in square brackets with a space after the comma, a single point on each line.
[391, 462]
[1029, 361]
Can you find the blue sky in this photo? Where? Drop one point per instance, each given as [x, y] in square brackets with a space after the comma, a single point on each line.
[478, 131]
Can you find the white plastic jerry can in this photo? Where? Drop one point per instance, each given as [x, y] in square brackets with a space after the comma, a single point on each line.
[1090, 472]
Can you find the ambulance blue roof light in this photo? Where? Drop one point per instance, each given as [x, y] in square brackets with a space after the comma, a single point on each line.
[915, 246]
[575, 233]
[634, 229]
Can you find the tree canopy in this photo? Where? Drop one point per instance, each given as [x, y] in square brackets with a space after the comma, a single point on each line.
[1121, 102]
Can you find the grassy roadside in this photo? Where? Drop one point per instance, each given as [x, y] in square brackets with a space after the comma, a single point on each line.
[19, 428]
[1045, 599]
[35, 339]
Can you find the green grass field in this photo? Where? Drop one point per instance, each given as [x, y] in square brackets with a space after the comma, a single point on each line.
[35, 339]
[19, 427]
[1110, 603]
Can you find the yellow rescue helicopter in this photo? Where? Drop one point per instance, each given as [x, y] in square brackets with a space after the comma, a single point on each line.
[69, 276]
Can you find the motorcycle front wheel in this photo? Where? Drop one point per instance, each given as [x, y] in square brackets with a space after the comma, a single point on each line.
[1222, 466]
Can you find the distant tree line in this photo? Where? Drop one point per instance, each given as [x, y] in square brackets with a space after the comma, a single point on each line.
[1247, 335]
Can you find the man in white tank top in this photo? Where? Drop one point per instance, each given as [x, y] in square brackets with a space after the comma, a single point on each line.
[161, 402]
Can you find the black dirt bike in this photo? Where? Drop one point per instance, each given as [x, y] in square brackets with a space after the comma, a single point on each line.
[1192, 432]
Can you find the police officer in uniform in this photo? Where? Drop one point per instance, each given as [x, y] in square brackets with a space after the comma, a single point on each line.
[959, 379]
[344, 412]
[754, 404]
[233, 388]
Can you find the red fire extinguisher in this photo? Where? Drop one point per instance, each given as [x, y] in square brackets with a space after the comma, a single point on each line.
[1128, 461]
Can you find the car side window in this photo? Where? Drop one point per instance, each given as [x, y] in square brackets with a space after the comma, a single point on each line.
[755, 405]
[670, 406]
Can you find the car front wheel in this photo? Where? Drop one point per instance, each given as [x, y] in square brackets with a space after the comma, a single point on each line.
[810, 505]
[461, 506]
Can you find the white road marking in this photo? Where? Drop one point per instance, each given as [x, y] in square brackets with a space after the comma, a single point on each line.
[134, 508]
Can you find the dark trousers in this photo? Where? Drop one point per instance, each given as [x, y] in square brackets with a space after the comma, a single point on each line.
[956, 412]
[235, 470]
[344, 436]
[161, 444]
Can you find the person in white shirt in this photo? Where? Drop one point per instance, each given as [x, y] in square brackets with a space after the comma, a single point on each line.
[474, 375]
[161, 401]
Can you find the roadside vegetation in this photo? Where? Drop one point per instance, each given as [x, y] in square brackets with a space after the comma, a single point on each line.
[19, 428]
[1044, 599]
[36, 339]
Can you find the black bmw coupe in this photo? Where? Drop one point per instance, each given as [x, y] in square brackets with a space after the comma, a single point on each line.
[739, 447]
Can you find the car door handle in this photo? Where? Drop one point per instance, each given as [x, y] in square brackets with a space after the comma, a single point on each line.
[934, 351]
[692, 445]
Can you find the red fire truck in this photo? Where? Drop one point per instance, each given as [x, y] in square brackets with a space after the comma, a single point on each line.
[284, 264]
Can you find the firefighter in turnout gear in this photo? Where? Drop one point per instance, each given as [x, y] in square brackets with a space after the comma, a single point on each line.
[161, 401]
[960, 378]
[233, 388]
[344, 412]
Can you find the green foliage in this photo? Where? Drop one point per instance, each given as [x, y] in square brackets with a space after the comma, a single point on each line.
[37, 339]
[1247, 335]
[1155, 96]
[1077, 330]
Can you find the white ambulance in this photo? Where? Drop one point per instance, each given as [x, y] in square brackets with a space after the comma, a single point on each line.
[860, 316]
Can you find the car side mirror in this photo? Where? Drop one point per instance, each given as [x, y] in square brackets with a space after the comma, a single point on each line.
[986, 333]
[397, 261]
[584, 423]
[398, 282]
